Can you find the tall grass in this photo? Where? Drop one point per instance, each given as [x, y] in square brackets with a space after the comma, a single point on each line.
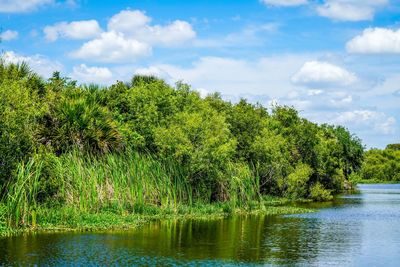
[244, 186]
[21, 197]
[125, 183]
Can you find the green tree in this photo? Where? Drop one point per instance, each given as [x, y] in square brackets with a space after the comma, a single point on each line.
[20, 111]
[202, 141]
[271, 158]
[77, 120]
[246, 123]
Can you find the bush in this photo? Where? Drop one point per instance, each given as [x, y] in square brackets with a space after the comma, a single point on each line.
[202, 141]
[296, 182]
[319, 193]
[20, 111]
[382, 165]
[79, 121]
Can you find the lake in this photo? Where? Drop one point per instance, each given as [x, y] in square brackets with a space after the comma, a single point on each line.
[354, 230]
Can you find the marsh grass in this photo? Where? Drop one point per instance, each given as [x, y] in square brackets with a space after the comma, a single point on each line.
[20, 199]
[117, 190]
[127, 182]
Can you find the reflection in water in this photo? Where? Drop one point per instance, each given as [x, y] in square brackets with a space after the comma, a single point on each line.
[355, 230]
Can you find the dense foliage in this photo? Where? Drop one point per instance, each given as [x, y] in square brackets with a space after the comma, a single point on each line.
[221, 151]
[382, 165]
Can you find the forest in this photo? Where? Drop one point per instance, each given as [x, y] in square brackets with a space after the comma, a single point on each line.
[143, 145]
[381, 165]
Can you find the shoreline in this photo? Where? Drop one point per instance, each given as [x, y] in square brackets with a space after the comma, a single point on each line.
[68, 219]
[377, 182]
[65, 220]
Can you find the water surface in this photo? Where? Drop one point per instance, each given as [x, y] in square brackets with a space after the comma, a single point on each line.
[354, 230]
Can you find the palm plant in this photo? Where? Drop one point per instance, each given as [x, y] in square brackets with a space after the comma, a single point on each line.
[80, 121]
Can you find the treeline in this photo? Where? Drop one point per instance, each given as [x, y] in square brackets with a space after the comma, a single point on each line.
[220, 151]
[381, 165]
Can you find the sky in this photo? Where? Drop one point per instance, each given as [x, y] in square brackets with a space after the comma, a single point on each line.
[336, 61]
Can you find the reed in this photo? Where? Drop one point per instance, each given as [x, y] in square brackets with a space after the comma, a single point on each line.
[21, 198]
[121, 182]
[125, 183]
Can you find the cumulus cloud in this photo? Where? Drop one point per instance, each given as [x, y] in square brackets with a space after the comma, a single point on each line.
[135, 24]
[83, 73]
[38, 63]
[322, 74]
[379, 121]
[84, 29]
[112, 47]
[267, 75]
[128, 21]
[375, 41]
[8, 35]
[345, 12]
[284, 2]
[350, 10]
[129, 36]
[17, 6]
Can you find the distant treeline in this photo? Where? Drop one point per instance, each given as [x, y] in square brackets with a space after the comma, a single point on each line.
[221, 151]
[382, 165]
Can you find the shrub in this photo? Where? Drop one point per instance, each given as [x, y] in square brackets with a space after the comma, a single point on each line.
[79, 121]
[20, 110]
[319, 193]
[297, 181]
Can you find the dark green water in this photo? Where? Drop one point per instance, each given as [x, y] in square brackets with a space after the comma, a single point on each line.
[356, 230]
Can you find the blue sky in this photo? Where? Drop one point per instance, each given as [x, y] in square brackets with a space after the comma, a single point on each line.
[337, 61]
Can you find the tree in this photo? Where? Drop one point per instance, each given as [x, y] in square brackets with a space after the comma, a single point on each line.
[202, 141]
[20, 111]
[77, 120]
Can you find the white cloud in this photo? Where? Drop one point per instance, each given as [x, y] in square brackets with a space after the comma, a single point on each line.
[175, 33]
[17, 6]
[83, 73]
[128, 21]
[38, 63]
[8, 35]
[84, 29]
[345, 12]
[379, 121]
[267, 75]
[130, 36]
[284, 2]
[375, 41]
[350, 10]
[135, 24]
[322, 74]
[112, 47]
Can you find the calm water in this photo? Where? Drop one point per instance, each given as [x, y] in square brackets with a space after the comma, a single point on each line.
[356, 230]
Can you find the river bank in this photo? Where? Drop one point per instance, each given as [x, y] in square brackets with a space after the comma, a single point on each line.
[69, 219]
[376, 181]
